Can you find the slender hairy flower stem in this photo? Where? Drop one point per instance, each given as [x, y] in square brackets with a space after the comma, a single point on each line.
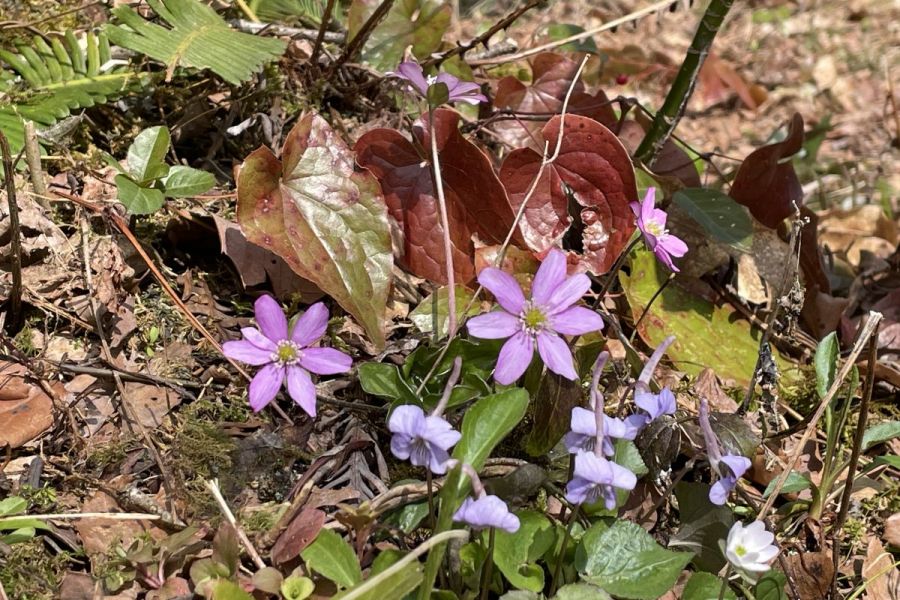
[649, 304]
[448, 389]
[724, 583]
[837, 533]
[488, 567]
[611, 277]
[647, 372]
[666, 119]
[557, 571]
[445, 225]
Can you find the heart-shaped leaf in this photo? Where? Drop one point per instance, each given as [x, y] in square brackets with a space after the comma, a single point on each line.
[476, 200]
[766, 182]
[325, 218]
[147, 154]
[551, 77]
[556, 397]
[598, 173]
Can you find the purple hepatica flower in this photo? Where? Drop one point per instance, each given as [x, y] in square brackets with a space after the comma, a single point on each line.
[424, 440]
[726, 469]
[583, 434]
[652, 223]
[487, 511]
[536, 321]
[286, 355]
[459, 91]
[595, 477]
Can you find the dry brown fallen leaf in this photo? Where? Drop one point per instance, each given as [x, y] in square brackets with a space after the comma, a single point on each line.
[892, 530]
[26, 411]
[881, 577]
[812, 573]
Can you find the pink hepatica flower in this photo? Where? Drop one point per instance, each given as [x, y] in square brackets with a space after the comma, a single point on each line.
[486, 511]
[424, 440]
[286, 355]
[538, 321]
[652, 223]
[459, 91]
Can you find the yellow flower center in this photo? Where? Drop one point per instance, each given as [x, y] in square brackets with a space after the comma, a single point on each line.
[655, 228]
[533, 318]
[740, 551]
[287, 353]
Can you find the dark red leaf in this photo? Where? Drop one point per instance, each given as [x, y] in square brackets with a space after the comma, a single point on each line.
[552, 75]
[476, 200]
[766, 183]
[596, 167]
[672, 160]
[298, 535]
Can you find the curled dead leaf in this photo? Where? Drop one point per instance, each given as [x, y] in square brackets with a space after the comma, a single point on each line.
[26, 411]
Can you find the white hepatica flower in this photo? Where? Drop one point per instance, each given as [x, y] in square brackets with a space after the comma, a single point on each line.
[749, 549]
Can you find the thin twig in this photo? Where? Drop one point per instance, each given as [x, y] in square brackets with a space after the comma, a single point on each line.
[355, 45]
[33, 158]
[837, 531]
[868, 329]
[317, 45]
[500, 25]
[635, 16]
[213, 486]
[15, 294]
[445, 225]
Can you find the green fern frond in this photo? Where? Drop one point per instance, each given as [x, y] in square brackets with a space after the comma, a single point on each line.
[44, 82]
[198, 38]
[306, 11]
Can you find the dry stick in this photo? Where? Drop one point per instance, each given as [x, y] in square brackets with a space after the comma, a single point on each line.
[546, 162]
[317, 46]
[445, 224]
[355, 44]
[15, 294]
[127, 415]
[33, 158]
[500, 25]
[837, 533]
[213, 486]
[868, 329]
[634, 16]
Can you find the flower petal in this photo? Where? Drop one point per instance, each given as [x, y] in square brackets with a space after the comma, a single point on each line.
[576, 320]
[453, 83]
[440, 433]
[301, 389]
[664, 258]
[504, 287]
[718, 493]
[325, 361]
[311, 325]
[738, 465]
[673, 245]
[556, 355]
[270, 318]
[400, 445]
[514, 358]
[246, 352]
[583, 421]
[412, 72]
[255, 337]
[437, 460]
[550, 275]
[265, 385]
[648, 205]
[407, 419]
[494, 325]
[578, 490]
[568, 293]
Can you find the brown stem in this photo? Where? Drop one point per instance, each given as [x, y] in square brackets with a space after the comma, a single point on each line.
[355, 45]
[837, 533]
[317, 46]
[15, 293]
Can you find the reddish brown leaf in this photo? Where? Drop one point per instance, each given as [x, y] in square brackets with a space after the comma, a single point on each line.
[298, 535]
[25, 410]
[811, 573]
[326, 219]
[766, 182]
[596, 168]
[718, 79]
[476, 200]
[551, 78]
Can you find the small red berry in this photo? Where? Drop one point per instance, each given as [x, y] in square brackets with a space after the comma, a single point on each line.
[621, 78]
